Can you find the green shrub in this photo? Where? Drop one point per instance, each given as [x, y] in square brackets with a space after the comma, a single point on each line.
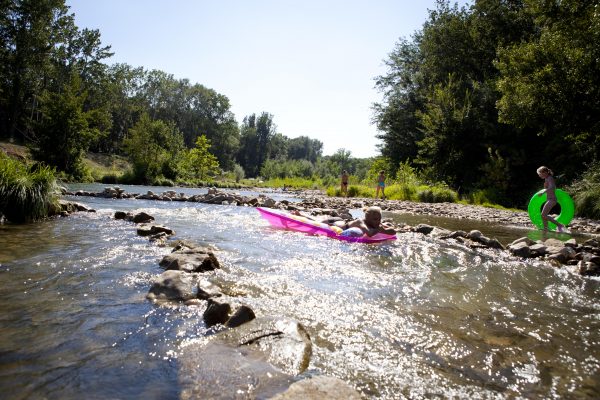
[238, 172]
[486, 196]
[109, 179]
[333, 192]
[425, 196]
[27, 193]
[444, 195]
[162, 181]
[128, 178]
[586, 192]
[401, 192]
[353, 191]
[436, 194]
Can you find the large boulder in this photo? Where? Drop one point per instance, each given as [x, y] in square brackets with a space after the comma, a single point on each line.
[219, 371]
[255, 360]
[523, 239]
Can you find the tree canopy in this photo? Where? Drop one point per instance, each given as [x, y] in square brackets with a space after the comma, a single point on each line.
[477, 99]
[483, 95]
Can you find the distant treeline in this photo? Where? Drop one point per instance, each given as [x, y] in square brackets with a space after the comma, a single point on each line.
[483, 95]
[59, 96]
[475, 100]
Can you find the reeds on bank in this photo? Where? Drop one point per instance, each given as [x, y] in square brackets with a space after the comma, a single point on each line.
[27, 192]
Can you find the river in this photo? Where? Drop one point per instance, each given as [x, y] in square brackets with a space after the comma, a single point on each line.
[417, 318]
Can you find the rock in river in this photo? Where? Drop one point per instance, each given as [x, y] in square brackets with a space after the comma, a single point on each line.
[255, 360]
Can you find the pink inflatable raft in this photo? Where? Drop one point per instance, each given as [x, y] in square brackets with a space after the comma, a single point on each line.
[282, 219]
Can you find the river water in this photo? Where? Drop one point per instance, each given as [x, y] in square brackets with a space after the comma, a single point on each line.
[416, 318]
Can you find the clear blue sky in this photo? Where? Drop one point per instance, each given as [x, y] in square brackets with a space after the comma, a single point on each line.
[310, 63]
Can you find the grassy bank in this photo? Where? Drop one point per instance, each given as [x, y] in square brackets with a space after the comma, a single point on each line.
[28, 192]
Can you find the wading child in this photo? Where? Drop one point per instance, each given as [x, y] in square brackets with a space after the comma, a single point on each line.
[344, 189]
[381, 185]
[550, 189]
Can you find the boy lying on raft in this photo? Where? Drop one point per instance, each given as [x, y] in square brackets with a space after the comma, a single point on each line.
[369, 225]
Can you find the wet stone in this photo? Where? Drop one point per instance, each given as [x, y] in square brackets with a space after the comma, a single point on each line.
[172, 286]
[520, 249]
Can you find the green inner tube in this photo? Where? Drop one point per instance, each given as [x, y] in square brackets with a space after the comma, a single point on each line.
[567, 209]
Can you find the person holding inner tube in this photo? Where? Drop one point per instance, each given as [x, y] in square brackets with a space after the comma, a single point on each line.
[550, 189]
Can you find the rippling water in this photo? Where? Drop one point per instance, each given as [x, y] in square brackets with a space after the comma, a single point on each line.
[418, 318]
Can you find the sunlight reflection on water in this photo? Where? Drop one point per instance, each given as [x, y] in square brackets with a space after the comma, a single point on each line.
[416, 318]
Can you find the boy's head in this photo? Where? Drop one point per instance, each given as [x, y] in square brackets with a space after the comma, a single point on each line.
[373, 217]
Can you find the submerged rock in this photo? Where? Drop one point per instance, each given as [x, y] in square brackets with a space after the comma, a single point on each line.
[208, 290]
[172, 286]
[284, 342]
[219, 371]
[319, 387]
[423, 228]
[255, 360]
[588, 268]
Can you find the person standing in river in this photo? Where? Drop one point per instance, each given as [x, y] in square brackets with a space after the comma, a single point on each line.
[550, 189]
[381, 185]
[344, 188]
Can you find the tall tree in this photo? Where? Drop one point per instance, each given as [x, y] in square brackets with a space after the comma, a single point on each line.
[199, 162]
[41, 49]
[256, 135]
[402, 91]
[154, 148]
[265, 130]
[65, 131]
[440, 96]
[305, 148]
[550, 84]
[122, 89]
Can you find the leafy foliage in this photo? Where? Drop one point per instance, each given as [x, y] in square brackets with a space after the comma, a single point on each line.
[199, 163]
[65, 130]
[482, 96]
[586, 192]
[154, 148]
